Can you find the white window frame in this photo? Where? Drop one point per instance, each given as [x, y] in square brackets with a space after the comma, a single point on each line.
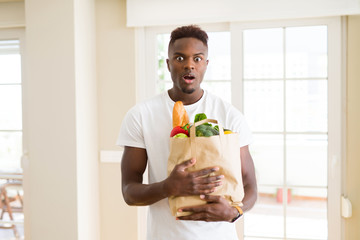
[336, 88]
[18, 34]
[146, 78]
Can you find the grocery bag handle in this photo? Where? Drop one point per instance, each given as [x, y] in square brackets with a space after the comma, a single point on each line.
[193, 134]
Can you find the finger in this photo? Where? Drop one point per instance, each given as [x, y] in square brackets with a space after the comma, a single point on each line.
[210, 180]
[205, 171]
[194, 217]
[193, 209]
[186, 164]
[211, 198]
[203, 189]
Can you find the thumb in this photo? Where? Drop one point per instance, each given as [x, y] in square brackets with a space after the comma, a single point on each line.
[186, 164]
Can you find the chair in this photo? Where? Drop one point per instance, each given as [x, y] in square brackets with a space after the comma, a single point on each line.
[6, 199]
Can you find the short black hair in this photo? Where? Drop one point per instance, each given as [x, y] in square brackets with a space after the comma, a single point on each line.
[190, 31]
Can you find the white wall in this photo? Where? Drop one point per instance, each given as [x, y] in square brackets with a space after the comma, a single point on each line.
[353, 127]
[62, 200]
[12, 14]
[163, 12]
[116, 91]
[88, 202]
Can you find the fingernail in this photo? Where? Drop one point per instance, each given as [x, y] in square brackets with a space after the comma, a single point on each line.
[179, 210]
[215, 169]
[202, 196]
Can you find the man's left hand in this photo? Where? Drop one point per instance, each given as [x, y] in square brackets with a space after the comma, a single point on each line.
[216, 209]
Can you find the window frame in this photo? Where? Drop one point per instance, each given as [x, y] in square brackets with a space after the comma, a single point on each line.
[336, 102]
[146, 78]
[19, 34]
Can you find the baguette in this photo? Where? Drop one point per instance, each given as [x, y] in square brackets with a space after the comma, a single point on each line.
[180, 116]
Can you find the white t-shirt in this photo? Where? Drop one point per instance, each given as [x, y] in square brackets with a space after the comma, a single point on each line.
[148, 125]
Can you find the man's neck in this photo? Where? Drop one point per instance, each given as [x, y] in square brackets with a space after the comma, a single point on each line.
[186, 98]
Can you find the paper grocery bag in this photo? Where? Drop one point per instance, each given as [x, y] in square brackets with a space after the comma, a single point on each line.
[221, 150]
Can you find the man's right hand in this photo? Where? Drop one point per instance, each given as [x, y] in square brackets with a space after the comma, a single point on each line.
[182, 182]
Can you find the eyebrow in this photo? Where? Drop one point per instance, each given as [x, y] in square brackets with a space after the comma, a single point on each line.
[196, 54]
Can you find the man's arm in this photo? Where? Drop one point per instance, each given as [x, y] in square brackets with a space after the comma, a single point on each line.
[217, 208]
[179, 183]
[249, 179]
[133, 165]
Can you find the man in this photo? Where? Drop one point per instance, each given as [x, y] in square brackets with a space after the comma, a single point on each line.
[145, 137]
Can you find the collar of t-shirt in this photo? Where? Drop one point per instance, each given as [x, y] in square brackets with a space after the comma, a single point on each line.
[190, 107]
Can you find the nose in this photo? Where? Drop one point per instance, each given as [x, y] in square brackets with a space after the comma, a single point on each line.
[189, 64]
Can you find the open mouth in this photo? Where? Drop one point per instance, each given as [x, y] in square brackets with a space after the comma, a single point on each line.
[188, 78]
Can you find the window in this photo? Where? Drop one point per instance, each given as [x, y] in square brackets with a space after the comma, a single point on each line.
[285, 101]
[291, 86]
[10, 105]
[286, 78]
[11, 133]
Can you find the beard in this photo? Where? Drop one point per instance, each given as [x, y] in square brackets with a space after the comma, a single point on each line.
[188, 91]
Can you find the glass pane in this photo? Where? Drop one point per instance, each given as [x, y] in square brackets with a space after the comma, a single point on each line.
[266, 218]
[263, 53]
[10, 150]
[10, 107]
[306, 105]
[219, 67]
[221, 89]
[267, 150]
[162, 86]
[306, 52]
[306, 214]
[162, 54]
[263, 105]
[306, 157]
[10, 68]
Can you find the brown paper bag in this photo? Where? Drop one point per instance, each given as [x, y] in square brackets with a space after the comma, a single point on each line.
[222, 150]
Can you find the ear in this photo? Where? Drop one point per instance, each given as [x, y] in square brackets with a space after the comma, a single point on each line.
[207, 62]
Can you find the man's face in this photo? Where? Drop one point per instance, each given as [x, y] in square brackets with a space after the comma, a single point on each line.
[187, 64]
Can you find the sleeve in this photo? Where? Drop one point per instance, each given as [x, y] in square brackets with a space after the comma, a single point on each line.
[131, 131]
[239, 124]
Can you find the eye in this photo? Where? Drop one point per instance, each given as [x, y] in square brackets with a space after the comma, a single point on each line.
[197, 59]
[179, 59]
